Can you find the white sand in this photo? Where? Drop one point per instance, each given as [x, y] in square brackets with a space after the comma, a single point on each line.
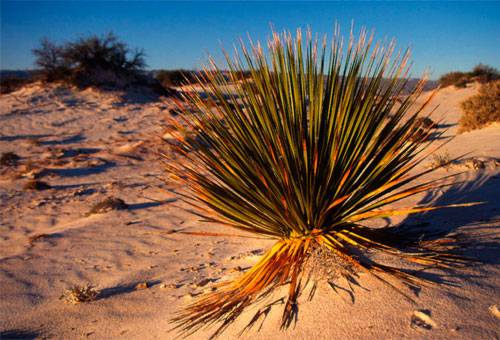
[117, 142]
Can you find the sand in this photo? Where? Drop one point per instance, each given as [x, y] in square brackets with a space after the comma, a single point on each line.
[89, 146]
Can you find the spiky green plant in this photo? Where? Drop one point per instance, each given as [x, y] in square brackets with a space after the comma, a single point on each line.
[316, 141]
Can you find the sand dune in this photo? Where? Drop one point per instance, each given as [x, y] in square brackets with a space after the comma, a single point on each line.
[89, 146]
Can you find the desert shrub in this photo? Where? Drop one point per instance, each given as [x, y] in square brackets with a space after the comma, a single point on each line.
[480, 73]
[484, 73]
[79, 294]
[11, 84]
[481, 109]
[90, 61]
[49, 57]
[440, 160]
[173, 78]
[452, 78]
[317, 149]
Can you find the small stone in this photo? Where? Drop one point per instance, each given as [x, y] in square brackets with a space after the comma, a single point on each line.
[422, 319]
[494, 311]
[142, 285]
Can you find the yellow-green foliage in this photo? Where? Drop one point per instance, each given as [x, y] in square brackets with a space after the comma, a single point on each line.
[481, 109]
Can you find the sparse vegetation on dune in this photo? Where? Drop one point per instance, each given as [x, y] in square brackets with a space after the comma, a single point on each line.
[11, 84]
[318, 149]
[173, 78]
[90, 61]
[481, 109]
[480, 73]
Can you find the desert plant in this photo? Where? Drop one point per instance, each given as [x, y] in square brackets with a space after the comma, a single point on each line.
[90, 61]
[441, 160]
[481, 109]
[453, 78]
[484, 73]
[173, 78]
[317, 149]
[11, 84]
[49, 57]
[480, 73]
[78, 294]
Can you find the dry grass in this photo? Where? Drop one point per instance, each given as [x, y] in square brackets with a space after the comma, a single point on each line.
[441, 160]
[78, 294]
[110, 203]
[481, 109]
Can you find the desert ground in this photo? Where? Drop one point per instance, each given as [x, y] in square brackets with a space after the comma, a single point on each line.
[91, 145]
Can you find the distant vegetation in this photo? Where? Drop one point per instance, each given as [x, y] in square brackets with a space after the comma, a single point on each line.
[481, 109]
[172, 78]
[480, 73]
[90, 61]
[12, 83]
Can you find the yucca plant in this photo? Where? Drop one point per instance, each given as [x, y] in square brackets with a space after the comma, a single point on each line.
[314, 143]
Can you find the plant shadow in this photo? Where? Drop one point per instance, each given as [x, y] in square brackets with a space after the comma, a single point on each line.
[83, 171]
[125, 288]
[19, 334]
[477, 226]
[146, 205]
[65, 140]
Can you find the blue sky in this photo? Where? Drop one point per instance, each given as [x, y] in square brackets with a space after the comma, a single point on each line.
[444, 36]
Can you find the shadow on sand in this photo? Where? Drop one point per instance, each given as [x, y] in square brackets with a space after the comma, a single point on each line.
[125, 288]
[83, 171]
[146, 205]
[477, 226]
[19, 334]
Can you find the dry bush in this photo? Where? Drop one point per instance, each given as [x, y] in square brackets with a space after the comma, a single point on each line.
[481, 109]
[452, 78]
[173, 78]
[480, 73]
[90, 61]
[11, 84]
[484, 74]
[78, 294]
[442, 160]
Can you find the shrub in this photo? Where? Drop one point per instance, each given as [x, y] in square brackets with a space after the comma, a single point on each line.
[480, 73]
[317, 149]
[91, 61]
[174, 78]
[49, 57]
[484, 74]
[452, 78]
[481, 109]
[79, 294]
[441, 160]
[11, 84]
